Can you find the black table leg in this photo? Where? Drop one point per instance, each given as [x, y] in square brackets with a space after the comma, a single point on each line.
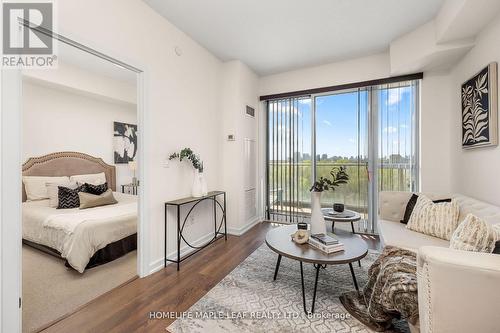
[165, 239]
[277, 267]
[354, 277]
[317, 267]
[352, 228]
[333, 226]
[178, 237]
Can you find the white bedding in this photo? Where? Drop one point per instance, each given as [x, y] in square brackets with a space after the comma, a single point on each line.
[79, 234]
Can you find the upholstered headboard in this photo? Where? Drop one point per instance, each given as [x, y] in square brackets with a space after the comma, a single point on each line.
[68, 163]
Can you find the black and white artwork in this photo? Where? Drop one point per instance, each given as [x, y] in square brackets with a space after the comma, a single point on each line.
[479, 109]
[124, 142]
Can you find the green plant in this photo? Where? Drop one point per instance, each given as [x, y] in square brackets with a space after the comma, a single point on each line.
[338, 175]
[187, 153]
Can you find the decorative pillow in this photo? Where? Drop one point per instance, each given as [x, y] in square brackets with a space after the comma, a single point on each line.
[88, 200]
[68, 198]
[411, 205]
[496, 250]
[95, 189]
[93, 178]
[474, 234]
[434, 219]
[53, 191]
[35, 186]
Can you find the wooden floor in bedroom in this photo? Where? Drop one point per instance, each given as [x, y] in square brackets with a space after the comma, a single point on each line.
[127, 308]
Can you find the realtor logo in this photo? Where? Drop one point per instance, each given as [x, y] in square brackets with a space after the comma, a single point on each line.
[22, 23]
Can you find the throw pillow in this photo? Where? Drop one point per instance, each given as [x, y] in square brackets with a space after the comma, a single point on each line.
[95, 189]
[93, 178]
[53, 191]
[411, 205]
[88, 200]
[68, 197]
[35, 186]
[474, 234]
[496, 250]
[434, 219]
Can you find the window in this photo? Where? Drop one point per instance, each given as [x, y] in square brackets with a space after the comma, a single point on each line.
[372, 131]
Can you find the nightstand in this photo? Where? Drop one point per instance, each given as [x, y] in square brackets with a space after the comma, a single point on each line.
[130, 188]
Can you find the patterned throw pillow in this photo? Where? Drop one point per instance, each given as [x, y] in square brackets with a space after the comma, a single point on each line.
[434, 219]
[474, 234]
[411, 205]
[95, 189]
[68, 198]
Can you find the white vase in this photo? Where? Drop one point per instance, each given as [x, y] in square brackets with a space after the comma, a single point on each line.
[196, 190]
[318, 225]
[204, 190]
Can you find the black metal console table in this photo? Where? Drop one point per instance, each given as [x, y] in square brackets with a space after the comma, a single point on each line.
[180, 228]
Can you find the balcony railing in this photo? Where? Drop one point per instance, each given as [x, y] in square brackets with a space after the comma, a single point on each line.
[289, 185]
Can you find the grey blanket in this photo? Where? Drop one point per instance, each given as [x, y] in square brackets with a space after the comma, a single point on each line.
[391, 291]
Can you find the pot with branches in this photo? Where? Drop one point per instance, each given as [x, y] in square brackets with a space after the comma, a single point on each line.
[199, 188]
[338, 176]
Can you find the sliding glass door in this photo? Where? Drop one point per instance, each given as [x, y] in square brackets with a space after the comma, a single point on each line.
[341, 139]
[289, 157]
[372, 131]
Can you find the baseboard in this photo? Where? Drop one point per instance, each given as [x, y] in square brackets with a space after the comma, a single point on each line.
[240, 231]
[157, 265]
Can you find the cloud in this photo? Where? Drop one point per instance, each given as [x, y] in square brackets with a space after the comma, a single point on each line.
[394, 97]
[327, 123]
[352, 140]
[403, 126]
[390, 129]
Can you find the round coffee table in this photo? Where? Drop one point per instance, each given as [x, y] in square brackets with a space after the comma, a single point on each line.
[280, 241]
[354, 218]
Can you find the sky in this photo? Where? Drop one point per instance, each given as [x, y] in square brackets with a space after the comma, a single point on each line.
[337, 123]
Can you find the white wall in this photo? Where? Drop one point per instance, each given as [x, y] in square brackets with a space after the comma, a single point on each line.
[239, 89]
[435, 141]
[361, 69]
[475, 171]
[182, 101]
[61, 119]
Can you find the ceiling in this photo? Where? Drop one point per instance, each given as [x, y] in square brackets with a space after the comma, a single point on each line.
[273, 36]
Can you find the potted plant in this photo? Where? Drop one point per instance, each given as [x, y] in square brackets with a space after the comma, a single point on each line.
[338, 176]
[199, 188]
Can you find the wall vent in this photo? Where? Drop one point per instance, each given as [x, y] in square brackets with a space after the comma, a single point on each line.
[250, 111]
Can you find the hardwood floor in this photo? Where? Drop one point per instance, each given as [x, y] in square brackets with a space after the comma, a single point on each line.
[127, 308]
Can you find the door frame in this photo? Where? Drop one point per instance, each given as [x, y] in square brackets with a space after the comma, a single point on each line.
[10, 176]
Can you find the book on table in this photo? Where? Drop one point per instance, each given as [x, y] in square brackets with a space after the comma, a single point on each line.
[325, 248]
[325, 239]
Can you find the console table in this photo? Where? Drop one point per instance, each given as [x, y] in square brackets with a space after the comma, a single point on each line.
[213, 196]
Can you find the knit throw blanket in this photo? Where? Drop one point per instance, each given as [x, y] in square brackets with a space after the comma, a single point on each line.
[391, 291]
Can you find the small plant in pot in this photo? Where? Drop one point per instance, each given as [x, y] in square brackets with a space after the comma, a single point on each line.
[199, 188]
[338, 176]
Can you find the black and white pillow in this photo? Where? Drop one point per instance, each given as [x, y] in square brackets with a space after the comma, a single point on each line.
[68, 197]
[411, 205]
[496, 250]
[95, 189]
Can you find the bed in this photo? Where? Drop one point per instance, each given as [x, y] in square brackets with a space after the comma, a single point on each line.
[83, 238]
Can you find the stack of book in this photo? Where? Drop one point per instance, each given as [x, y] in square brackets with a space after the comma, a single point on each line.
[325, 243]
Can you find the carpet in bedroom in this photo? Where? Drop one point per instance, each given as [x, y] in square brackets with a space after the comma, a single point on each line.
[51, 290]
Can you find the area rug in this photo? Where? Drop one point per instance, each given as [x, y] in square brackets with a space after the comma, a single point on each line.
[51, 290]
[248, 300]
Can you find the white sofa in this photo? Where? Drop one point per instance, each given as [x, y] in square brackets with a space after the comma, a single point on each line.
[458, 291]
